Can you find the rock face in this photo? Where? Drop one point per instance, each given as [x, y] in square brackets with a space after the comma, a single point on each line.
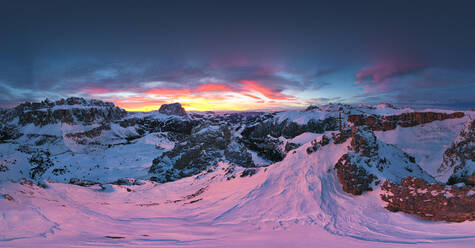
[263, 135]
[8, 132]
[205, 147]
[459, 158]
[68, 110]
[288, 129]
[390, 122]
[83, 183]
[353, 178]
[370, 161]
[151, 125]
[172, 109]
[430, 201]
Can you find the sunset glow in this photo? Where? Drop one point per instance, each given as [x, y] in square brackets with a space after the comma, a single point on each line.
[242, 96]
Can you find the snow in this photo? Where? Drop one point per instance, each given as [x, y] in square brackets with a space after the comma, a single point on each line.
[154, 115]
[297, 202]
[158, 140]
[332, 110]
[307, 137]
[426, 142]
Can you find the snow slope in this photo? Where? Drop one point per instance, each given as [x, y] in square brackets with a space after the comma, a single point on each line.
[297, 202]
[426, 142]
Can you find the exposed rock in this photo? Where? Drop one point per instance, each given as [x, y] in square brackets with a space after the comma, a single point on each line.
[83, 183]
[459, 158]
[262, 136]
[289, 146]
[79, 109]
[40, 162]
[269, 148]
[92, 133]
[430, 201]
[175, 125]
[354, 179]
[7, 197]
[128, 181]
[268, 126]
[315, 145]
[237, 154]
[8, 132]
[205, 147]
[470, 180]
[384, 123]
[172, 109]
[248, 172]
[370, 161]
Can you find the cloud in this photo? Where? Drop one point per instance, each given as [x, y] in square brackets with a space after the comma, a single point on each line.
[379, 73]
[269, 92]
[142, 85]
[417, 86]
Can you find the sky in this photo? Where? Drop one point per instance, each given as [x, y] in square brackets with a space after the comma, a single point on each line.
[239, 55]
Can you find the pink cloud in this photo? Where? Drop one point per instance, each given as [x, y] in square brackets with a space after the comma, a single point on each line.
[386, 75]
[268, 91]
[382, 71]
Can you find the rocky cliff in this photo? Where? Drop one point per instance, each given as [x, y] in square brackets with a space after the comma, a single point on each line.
[459, 158]
[390, 122]
[71, 110]
[430, 201]
[172, 109]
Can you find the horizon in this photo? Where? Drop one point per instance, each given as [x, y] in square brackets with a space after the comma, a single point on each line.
[303, 108]
[208, 57]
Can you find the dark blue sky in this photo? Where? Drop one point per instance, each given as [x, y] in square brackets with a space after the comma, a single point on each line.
[239, 55]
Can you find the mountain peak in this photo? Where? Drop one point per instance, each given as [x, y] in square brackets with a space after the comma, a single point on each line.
[172, 109]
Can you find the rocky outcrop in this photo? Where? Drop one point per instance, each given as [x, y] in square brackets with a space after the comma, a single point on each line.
[7, 197]
[459, 158]
[151, 125]
[40, 162]
[269, 148]
[288, 129]
[370, 161]
[128, 181]
[385, 123]
[92, 133]
[67, 110]
[430, 201]
[8, 132]
[354, 179]
[248, 172]
[82, 182]
[262, 136]
[315, 145]
[172, 109]
[205, 147]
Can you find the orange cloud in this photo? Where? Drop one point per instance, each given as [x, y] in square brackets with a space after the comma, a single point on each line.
[168, 92]
[212, 87]
[251, 96]
[267, 91]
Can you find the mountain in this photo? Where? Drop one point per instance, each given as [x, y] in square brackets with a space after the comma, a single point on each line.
[459, 158]
[291, 178]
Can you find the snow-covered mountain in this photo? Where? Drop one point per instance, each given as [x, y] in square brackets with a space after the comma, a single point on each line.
[459, 158]
[235, 179]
